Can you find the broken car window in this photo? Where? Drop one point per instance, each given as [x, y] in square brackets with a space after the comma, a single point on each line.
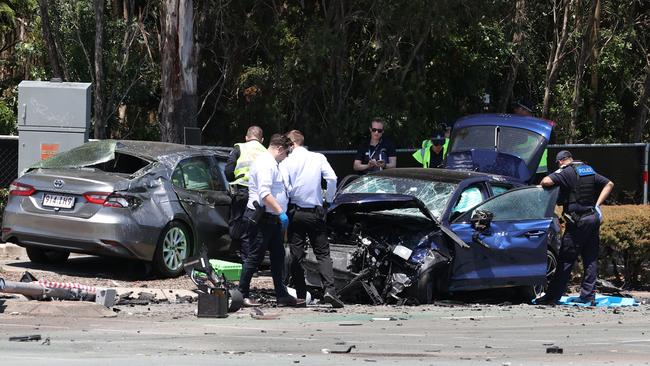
[521, 204]
[434, 195]
[193, 174]
[88, 154]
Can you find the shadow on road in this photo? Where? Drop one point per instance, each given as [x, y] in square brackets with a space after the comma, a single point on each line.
[90, 267]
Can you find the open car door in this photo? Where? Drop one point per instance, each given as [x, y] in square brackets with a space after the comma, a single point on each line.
[507, 237]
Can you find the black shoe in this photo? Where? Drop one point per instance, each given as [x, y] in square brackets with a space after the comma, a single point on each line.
[545, 300]
[333, 300]
[290, 301]
[250, 303]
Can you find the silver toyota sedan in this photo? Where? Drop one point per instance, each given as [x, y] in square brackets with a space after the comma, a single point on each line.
[152, 201]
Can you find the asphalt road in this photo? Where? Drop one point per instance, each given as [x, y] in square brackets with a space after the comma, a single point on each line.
[447, 334]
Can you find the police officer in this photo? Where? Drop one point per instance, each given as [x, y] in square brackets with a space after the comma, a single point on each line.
[433, 151]
[303, 172]
[582, 191]
[267, 220]
[237, 170]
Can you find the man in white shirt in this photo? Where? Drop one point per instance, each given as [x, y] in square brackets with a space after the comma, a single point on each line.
[266, 213]
[303, 172]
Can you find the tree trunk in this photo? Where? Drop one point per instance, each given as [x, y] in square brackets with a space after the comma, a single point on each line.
[100, 105]
[178, 104]
[48, 37]
[518, 38]
[557, 52]
[642, 108]
[585, 50]
[593, 112]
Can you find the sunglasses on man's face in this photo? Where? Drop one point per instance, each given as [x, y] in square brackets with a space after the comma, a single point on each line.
[378, 130]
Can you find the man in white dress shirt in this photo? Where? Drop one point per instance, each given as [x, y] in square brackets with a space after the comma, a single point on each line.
[303, 172]
[266, 215]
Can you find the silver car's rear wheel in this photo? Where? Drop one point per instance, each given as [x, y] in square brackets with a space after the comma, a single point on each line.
[173, 247]
[39, 255]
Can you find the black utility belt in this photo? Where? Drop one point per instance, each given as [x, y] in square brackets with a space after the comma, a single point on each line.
[574, 217]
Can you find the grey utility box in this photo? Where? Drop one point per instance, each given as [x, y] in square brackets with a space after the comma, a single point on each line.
[52, 117]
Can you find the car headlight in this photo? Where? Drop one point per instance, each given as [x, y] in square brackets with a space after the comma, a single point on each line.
[402, 252]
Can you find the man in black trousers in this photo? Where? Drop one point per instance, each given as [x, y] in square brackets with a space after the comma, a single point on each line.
[302, 173]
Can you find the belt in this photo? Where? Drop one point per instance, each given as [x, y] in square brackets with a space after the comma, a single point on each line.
[574, 217]
[307, 209]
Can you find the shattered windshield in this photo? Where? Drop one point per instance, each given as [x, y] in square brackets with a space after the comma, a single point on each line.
[434, 195]
[90, 153]
[514, 141]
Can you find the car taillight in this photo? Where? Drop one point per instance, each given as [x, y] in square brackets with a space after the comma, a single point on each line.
[111, 199]
[20, 189]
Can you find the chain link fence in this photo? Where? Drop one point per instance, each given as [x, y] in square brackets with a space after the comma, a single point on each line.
[625, 164]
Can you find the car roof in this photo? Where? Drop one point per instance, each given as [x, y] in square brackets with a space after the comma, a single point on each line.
[159, 151]
[439, 175]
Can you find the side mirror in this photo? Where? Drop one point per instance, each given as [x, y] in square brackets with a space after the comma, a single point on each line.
[481, 220]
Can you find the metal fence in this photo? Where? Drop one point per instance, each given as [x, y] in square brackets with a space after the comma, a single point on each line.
[625, 164]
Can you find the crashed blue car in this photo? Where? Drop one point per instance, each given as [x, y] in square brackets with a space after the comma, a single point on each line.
[414, 234]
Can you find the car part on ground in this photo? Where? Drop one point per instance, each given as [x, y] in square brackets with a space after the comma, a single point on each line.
[45, 290]
[217, 288]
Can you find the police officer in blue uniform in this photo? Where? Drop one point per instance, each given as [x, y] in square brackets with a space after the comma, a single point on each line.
[582, 191]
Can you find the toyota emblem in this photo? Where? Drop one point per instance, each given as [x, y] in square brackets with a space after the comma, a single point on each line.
[58, 183]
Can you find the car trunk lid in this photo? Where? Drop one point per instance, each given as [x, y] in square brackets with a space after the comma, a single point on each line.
[501, 144]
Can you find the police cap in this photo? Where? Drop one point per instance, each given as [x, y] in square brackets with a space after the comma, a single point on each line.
[563, 155]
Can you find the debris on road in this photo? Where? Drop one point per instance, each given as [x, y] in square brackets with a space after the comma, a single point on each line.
[554, 349]
[327, 350]
[260, 315]
[42, 289]
[217, 295]
[27, 338]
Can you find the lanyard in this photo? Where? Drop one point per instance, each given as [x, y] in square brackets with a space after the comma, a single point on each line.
[370, 155]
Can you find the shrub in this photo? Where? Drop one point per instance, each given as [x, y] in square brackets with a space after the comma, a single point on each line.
[625, 244]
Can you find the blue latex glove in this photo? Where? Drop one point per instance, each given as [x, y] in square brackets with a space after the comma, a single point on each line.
[600, 213]
[284, 221]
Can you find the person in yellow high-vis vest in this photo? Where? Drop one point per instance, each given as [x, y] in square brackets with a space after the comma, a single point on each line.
[433, 151]
[237, 168]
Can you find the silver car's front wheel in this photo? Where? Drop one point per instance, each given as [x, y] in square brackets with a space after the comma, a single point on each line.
[173, 247]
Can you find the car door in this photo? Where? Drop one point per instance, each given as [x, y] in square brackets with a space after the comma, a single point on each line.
[512, 250]
[203, 196]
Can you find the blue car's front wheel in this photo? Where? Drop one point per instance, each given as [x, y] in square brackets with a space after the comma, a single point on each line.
[532, 292]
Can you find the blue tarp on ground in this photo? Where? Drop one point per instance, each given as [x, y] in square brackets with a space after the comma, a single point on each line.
[601, 301]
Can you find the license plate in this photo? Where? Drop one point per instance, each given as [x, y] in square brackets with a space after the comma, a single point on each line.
[57, 200]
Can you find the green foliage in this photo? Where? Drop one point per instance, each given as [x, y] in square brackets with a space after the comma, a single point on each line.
[625, 242]
[327, 68]
[7, 120]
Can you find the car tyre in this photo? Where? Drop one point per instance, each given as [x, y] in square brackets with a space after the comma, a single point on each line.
[529, 293]
[174, 246]
[44, 256]
[425, 288]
